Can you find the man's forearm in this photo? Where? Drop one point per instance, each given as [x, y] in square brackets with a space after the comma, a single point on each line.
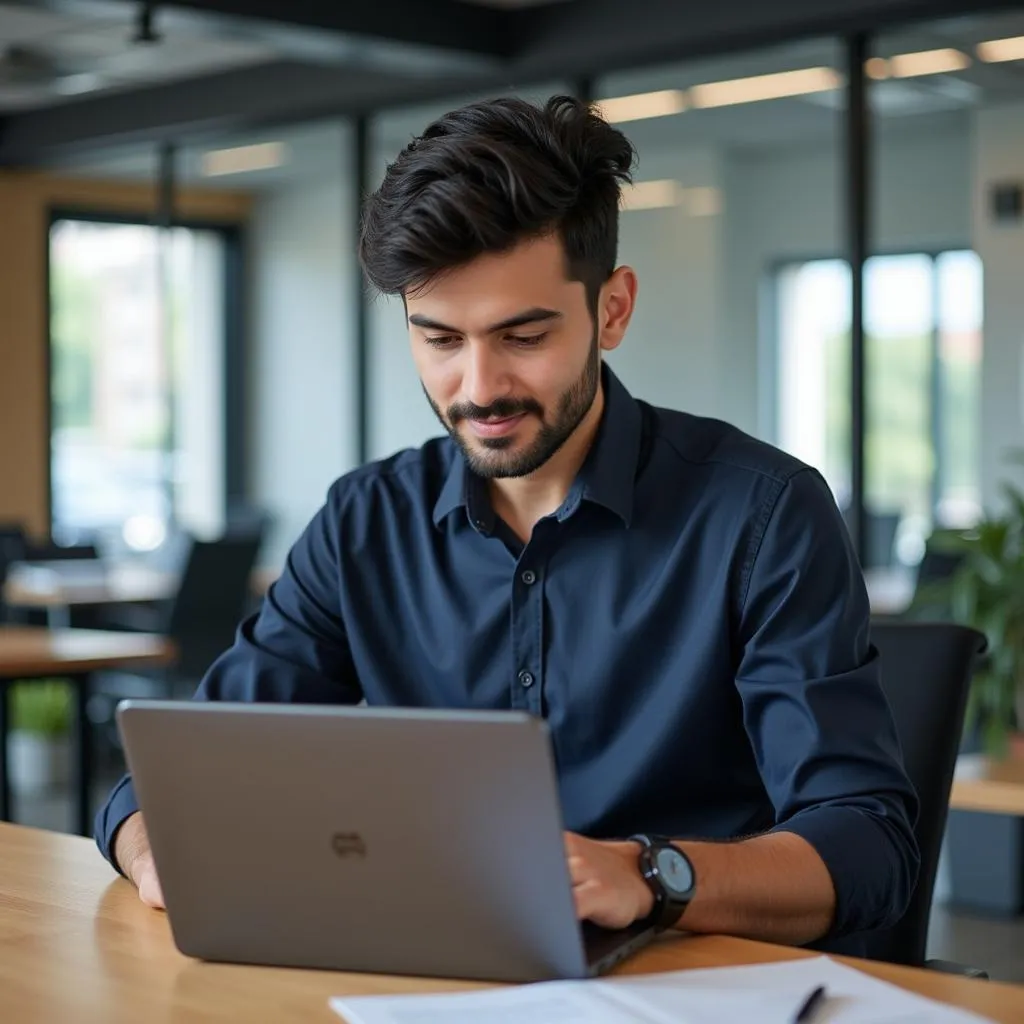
[772, 887]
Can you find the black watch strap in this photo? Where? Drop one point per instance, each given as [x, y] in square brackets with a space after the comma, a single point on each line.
[669, 902]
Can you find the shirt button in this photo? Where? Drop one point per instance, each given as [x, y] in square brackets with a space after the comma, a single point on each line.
[526, 678]
[529, 577]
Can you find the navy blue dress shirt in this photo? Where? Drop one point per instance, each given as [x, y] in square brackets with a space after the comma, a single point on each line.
[691, 622]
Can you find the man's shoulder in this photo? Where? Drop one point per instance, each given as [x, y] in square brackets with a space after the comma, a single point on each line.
[409, 477]
[700, 441]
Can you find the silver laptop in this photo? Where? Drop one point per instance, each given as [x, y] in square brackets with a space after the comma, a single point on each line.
[396, 841]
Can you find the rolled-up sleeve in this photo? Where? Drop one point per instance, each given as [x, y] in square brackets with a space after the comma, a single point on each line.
[295, 650]
[820, 727]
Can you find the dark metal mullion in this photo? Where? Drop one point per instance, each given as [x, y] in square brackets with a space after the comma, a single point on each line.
[857, 212]
[583, 89]
[360, 187]
[936, 382]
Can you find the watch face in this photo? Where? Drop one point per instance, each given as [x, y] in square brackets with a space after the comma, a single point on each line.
[674, 870]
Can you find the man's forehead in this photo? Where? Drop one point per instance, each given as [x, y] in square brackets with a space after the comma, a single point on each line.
[477, 295]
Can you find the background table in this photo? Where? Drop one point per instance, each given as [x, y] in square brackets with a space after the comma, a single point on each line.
[995, 787]
[57, 587]
[77, 945]
[28, 653]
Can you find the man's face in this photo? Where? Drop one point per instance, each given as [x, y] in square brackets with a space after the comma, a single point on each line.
[509, 356]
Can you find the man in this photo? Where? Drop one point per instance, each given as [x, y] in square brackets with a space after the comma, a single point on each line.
[678, 600]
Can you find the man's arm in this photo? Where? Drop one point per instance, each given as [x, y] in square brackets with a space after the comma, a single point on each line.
[295, 651]
[819, 725]
[771, 887]
[842, 857]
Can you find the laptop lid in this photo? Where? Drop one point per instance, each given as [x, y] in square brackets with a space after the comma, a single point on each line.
[390, 840]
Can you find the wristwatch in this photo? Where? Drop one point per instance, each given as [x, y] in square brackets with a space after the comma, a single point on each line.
[669, 875]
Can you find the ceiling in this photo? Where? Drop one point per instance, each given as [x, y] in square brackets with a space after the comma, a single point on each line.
[50, 56]
[80, 74]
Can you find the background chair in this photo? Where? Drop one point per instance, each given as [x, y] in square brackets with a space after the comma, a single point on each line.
[12, 549]
[880, 541]
[211, 600]
[48, 551]
[926, 674]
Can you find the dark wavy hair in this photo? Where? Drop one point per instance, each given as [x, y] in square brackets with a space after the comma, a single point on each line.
[489, 175]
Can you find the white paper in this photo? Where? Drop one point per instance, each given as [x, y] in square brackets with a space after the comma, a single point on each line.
[766, 993]
[566, 1002]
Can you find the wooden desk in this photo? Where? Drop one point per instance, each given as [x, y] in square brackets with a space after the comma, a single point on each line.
[996, 787]
[28, 653]
[76, 944]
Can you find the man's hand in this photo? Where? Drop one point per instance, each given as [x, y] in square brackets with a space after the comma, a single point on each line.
[606, 880]
[132, 853]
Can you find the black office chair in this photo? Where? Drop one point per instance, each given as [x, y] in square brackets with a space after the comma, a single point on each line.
[53, 552]
[936, 566]
[201, 619]
[880, 541]
[211, 600]
[12, 549]
[926, 673]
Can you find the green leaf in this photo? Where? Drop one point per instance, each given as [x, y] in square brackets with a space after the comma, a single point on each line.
[41, 706]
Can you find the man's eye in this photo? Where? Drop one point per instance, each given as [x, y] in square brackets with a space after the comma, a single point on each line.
[526, 340]
[442, 341]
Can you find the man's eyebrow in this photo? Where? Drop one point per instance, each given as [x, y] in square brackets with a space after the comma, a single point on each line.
[419, 320]
[529, 316]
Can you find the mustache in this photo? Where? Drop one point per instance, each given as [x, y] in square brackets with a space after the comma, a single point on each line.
[499, 409]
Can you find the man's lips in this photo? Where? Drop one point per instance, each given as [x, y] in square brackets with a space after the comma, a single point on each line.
[496, 427]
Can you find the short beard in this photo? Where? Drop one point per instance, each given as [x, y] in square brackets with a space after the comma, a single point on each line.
[573, 405]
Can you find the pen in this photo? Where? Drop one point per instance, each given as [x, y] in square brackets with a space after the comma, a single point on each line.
[810, 1004]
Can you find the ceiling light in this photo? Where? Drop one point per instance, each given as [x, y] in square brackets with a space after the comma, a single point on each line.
[76, 84]
[927, 62]
[641, 105]
[765, 87]
[242, 159]
[877, 68]
[996, 50]
[704, 201]
[652, 195]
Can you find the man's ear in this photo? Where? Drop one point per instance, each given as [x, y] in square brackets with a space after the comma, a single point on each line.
[615, 307]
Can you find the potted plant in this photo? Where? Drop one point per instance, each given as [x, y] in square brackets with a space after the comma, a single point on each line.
[39, 744]
[985, 590]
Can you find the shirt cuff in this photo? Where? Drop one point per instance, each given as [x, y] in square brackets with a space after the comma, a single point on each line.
[120, 805]
[872, 890]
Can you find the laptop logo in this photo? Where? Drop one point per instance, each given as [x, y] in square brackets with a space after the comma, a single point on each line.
[348, 844]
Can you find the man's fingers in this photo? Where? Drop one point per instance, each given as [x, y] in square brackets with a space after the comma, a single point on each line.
[149, 885]
[587, 896]
[579, 870]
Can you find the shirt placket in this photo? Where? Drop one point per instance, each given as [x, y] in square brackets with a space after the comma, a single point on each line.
[528, 630]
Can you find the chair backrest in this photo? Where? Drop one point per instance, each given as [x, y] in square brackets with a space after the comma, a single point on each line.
[926, 673]
[937, 565]
[51, 552]
[880, 542]
[12, 549]
[211, 600]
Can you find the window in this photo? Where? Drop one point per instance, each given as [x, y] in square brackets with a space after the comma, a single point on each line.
[923, 327]
[137, 386]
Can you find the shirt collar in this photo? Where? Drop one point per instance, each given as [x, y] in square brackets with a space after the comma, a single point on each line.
[608, 474]
[606, 477]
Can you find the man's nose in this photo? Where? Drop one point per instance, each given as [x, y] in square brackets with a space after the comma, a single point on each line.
[484, 376]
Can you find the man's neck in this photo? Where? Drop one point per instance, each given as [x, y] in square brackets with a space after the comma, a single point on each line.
[523, 501]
